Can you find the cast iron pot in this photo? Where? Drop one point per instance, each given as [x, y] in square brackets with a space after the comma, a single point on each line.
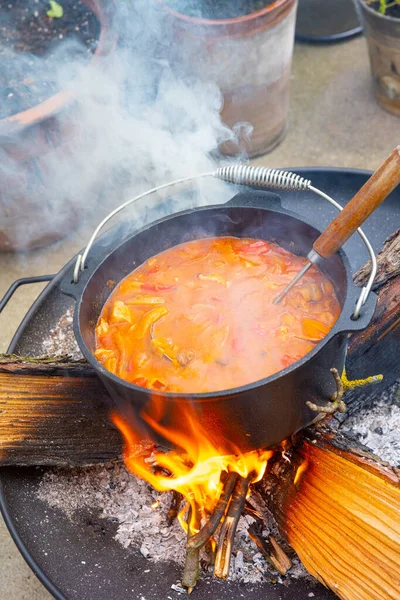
[257, 415]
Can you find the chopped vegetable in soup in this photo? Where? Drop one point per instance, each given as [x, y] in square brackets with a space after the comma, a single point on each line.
[200, 317]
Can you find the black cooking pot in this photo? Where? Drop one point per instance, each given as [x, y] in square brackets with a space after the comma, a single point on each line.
[257, 415]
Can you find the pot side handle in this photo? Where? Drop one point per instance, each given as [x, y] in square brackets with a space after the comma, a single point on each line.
[347, 323]
[71, 289]
[256, 199]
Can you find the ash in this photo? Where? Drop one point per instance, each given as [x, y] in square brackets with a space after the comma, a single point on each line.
[140, 512]
[378, 427]
[117, 495]
[61, 339]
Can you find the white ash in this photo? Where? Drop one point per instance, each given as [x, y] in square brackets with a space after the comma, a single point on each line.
[141, 516]
[61, 339]
[378, 427]
[119, 496]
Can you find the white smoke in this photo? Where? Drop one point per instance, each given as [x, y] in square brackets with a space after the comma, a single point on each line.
[138, 120]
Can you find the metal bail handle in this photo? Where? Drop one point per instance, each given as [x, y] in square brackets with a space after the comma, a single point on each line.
[244, 175]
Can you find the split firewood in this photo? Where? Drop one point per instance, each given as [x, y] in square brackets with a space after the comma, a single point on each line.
[388, 263]
[54, 411]
[229, 526]
[338, 507]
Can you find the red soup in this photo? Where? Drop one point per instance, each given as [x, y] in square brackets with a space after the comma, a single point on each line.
[200, 317]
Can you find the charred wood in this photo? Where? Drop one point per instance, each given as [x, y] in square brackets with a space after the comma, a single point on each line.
[54, 412]
[173, 512]
[376, 350]
[229, 526]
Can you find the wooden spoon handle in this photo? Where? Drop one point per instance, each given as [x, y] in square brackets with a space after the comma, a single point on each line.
[367, 199]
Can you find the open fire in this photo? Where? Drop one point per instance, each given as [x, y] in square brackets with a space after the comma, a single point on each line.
[214, 485]
[213, 481]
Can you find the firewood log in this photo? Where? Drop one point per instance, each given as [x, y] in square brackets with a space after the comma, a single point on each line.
[378, 347]
[338, 507]
[54, 413]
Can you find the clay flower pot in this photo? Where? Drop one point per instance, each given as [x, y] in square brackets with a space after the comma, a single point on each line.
[383, 38]
[249, 58]
[30, 143]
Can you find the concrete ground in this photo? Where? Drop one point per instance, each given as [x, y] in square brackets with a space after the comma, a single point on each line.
[334, 121]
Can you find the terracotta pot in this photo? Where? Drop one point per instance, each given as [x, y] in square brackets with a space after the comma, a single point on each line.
[249, 58]
[383, 37]
[30, 142]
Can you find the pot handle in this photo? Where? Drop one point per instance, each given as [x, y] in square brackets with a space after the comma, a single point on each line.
[238, 174]
[241, 175]
[347, 322]
[256, 199]
[68, 286]
[23, 281]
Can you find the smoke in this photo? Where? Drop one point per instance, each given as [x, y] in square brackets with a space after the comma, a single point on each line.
[139, 118]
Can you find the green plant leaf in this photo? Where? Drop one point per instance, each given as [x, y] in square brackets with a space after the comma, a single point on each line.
[382, 6]
[56, 10]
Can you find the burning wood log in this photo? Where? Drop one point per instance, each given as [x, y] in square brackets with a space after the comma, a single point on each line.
[338, 506]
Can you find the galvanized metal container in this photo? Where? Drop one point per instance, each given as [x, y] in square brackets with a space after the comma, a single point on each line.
[383, 38]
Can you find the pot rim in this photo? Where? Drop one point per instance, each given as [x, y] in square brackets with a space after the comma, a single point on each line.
[337, 329]
[225, 22]
[51, 106]
[377, 14]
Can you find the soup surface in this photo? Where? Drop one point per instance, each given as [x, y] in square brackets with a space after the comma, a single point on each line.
[200, 317]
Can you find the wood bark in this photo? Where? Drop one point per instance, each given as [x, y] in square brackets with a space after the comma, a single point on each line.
[338, 507]
[54, 413]
[378, 347]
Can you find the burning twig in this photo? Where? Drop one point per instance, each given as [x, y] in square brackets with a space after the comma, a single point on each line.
[210, 548]
[228, 529]
[198, 540]
[174, 508]
[337, 404]
[270, 549]
[192, 563]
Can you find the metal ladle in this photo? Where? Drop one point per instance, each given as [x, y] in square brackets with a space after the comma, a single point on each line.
[368, 198]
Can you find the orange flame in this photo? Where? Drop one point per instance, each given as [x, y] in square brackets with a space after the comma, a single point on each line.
[301, 469]
[196, 471]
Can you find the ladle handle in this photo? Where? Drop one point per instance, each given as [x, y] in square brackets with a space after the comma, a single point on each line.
[367, 199]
